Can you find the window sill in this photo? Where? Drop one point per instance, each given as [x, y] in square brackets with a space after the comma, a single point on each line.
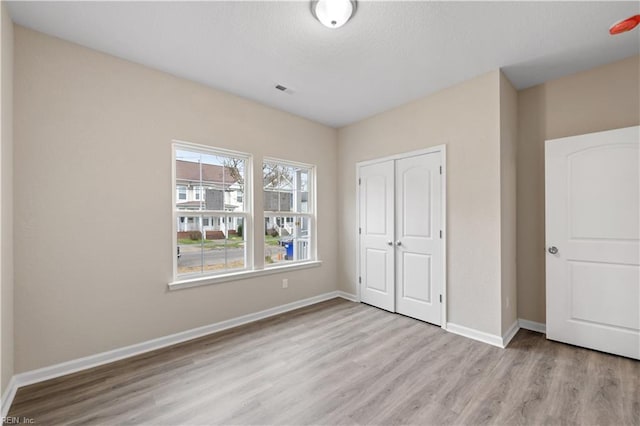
[235, 276]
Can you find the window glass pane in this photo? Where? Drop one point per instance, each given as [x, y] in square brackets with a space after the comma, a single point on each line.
[189, 250]
[225, 244]
[286, 188]
[209, 182]
[271, 178]
[214, 242]
[286, 239]
[302, 191]
[222, 248]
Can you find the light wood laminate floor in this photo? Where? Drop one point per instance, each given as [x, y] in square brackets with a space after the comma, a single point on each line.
[339, 362]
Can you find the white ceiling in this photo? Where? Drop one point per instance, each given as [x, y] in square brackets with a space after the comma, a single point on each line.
[388, 54]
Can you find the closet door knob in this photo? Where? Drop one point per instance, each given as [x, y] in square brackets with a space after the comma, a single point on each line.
[398, 243]
[389, 243]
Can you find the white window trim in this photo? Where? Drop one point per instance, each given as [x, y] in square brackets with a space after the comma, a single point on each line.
[247, 214]
[241, 275]
[255, 267]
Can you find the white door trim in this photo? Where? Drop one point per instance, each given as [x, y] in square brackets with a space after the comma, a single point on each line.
[442, 149]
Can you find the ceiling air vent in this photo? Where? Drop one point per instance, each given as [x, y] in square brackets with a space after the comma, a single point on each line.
[284, 89]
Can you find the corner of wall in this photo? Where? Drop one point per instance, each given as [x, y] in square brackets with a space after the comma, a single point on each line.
[6, 200]
[508, 194]
[346, 212]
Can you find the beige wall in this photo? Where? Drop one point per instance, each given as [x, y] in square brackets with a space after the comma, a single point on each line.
[93, 252]
[465, 118]
[6, 197]
[92, 168]
[508, 146]
[604, 98]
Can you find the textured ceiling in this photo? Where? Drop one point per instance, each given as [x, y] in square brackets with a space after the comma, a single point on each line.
[388, 54]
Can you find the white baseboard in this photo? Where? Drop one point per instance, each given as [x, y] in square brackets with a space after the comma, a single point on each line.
[75, 365]
[532, 325]
[7, 398]
[511, 332]
[481, 336]
[474, 334]
[348, 296]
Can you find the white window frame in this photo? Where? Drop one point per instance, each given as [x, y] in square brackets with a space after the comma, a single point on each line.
[311, 213]
[254, 241]
[247, 214]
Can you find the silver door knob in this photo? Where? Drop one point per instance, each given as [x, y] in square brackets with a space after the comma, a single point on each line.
[553, 249]
[398, 243]
[389, 243]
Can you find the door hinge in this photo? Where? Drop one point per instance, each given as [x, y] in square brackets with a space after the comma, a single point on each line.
[359, 280]
[441, 234]
[359, 181]
[440, 298]
[440, 169]
[359, 230]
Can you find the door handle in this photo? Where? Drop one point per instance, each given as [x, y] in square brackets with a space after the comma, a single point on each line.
[553, 250]
[389, 243]
[398, 243]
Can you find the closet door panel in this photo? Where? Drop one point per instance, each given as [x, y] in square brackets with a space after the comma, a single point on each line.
[418, 243]
[377, 220]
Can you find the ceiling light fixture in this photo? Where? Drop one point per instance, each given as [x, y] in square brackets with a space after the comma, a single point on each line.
[333, 13]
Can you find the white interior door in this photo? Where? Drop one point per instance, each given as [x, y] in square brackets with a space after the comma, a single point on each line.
[592, 236]
[376, 235]
[418, 240]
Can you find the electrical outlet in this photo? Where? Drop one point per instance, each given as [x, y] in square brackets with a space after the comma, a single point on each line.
[285, 283]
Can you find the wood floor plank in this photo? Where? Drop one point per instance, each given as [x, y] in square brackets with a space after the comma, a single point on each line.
[343, 363]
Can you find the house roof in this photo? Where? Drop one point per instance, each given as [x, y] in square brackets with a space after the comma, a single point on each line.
[190, 171]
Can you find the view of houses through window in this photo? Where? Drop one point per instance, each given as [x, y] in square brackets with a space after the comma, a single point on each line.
[287, 211]
[211, 211]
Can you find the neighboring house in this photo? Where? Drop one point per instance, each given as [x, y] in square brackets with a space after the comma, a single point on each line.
[285, 190]
[202, 186]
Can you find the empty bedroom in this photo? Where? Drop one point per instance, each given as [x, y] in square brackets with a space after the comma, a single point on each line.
[325, 212]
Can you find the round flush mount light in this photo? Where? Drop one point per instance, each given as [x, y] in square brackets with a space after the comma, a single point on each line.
[333, 13]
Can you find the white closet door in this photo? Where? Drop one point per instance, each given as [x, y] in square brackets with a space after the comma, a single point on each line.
[376, 235]
[418, 242]
[592, 235]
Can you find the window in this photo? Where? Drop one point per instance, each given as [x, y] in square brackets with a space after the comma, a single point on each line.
[214, 230]
[289, 213]
[207, 237]
[182, 193]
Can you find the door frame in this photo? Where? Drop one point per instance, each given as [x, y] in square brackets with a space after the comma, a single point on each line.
[442, 149]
